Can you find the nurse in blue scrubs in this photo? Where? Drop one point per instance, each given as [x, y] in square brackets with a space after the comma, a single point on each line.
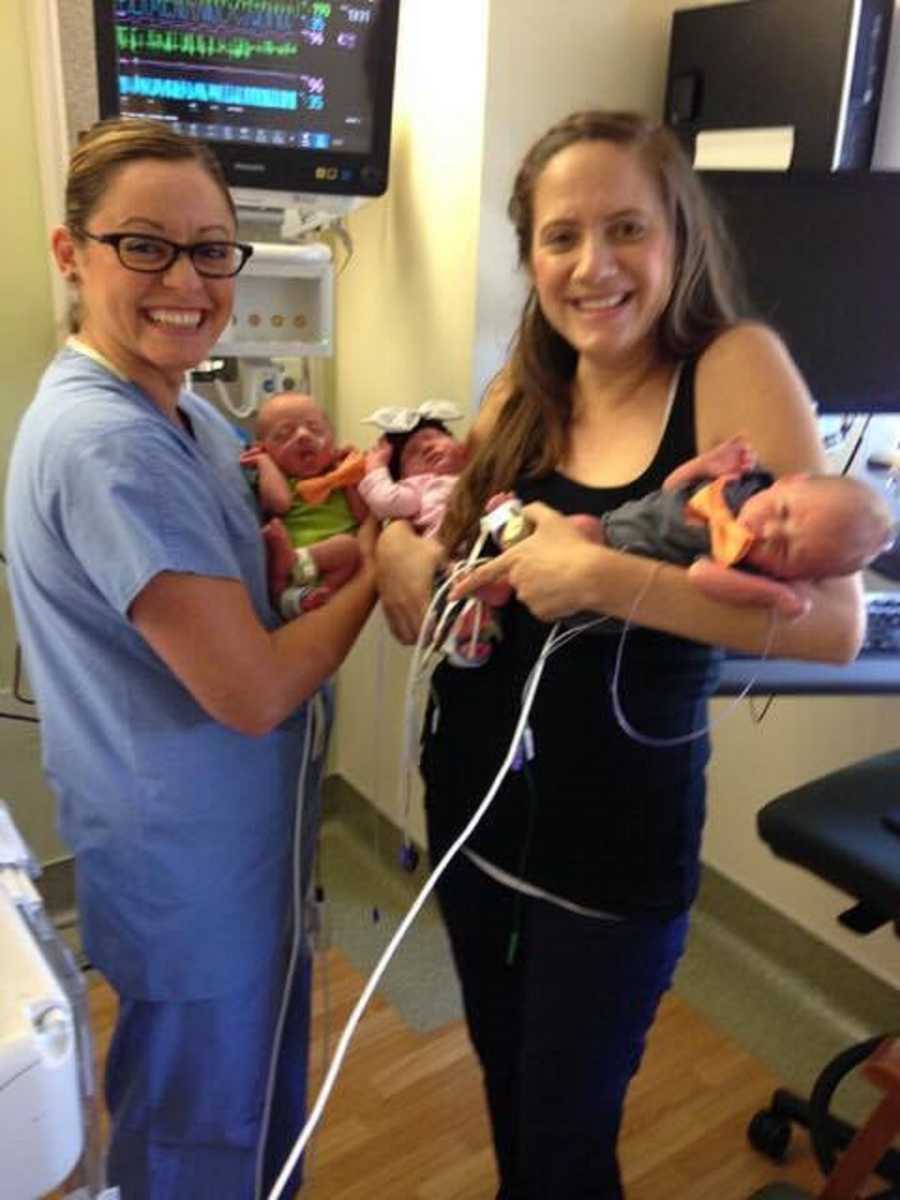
[174, 705]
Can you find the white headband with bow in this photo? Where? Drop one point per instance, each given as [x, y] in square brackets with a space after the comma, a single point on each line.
[402, 420]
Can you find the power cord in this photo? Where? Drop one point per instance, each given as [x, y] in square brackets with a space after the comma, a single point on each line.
[297, 935]
[646, 739]
[17, 681]
[304, 225]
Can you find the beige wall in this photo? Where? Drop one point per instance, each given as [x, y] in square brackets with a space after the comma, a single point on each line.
[541, 67]
[26, 343]
[26, 326]
[405, 317]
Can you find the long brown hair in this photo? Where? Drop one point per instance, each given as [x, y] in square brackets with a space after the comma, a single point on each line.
[530, 434]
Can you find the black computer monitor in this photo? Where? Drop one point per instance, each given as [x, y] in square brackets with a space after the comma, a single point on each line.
[821, 257]
[293, 96]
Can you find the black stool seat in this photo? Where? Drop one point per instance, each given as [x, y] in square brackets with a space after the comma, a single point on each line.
[839, 828]
[844, 828]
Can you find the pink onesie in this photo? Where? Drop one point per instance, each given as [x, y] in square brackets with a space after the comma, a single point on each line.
[421, 498]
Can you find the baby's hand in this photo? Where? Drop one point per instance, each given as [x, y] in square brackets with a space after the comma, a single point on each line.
[497, 499]
[253, 454]
[731, 457]
[378, 455]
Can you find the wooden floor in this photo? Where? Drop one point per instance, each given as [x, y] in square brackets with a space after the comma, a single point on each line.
[406, 1119]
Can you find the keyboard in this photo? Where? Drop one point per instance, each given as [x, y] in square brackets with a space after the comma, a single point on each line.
[883, 623]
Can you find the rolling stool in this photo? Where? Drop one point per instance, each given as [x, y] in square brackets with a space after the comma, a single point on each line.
[845, 828]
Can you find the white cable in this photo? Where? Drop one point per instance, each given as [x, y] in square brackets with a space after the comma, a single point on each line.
[414, 677]
[296, 939]
[455, 610]
[400, 933]
[553, 642]
[316, 939]
[241, 410]
[420, 668]
[646, 739]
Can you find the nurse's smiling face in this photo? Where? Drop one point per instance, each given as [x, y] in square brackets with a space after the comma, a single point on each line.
[152, 326]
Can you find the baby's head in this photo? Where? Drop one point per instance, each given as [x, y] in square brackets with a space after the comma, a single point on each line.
[428, 449]
[816, 526]
[296, 434]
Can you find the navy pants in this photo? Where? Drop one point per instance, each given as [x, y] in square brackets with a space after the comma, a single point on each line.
[186, 1081]
[558, 1006]
[185, 1085]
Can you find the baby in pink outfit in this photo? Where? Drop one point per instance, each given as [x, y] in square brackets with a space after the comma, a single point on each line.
[411, 475]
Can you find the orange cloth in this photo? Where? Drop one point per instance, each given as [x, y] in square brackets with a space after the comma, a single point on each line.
[347, 473]
[730, 540]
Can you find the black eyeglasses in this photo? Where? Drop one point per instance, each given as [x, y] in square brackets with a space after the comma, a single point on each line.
[152, 255]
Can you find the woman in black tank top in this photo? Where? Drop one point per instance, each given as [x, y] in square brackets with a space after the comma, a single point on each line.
[567, 908]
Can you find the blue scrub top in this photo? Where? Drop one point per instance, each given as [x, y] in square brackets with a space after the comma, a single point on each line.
[181, 827]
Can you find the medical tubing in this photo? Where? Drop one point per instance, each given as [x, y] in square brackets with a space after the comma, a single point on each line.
[241, 409]
[413, 678]
[379, 690]
[17, 671]
[296, 938]
[554, 642]
[17, 679]
[646, 739]
[456, 608]
[400, 933]
[419, 671]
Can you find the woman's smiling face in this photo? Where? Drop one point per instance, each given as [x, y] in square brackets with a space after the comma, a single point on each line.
[602, 251]
[161, 324]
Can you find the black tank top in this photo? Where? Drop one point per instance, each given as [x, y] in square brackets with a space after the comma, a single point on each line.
[595, 816]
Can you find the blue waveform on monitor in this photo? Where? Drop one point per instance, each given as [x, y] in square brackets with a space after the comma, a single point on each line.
[207, 93]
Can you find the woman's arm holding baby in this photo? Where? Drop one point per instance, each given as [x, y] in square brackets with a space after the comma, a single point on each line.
[405, 565]
[746, 384]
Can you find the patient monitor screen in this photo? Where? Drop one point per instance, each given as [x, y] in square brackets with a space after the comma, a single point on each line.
[307, 80]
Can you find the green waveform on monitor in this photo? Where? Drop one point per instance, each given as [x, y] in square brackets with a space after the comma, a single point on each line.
[199, 45]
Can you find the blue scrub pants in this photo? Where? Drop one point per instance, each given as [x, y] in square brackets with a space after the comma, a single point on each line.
[186, 1081]
[558, 1006]
[185, 1086]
